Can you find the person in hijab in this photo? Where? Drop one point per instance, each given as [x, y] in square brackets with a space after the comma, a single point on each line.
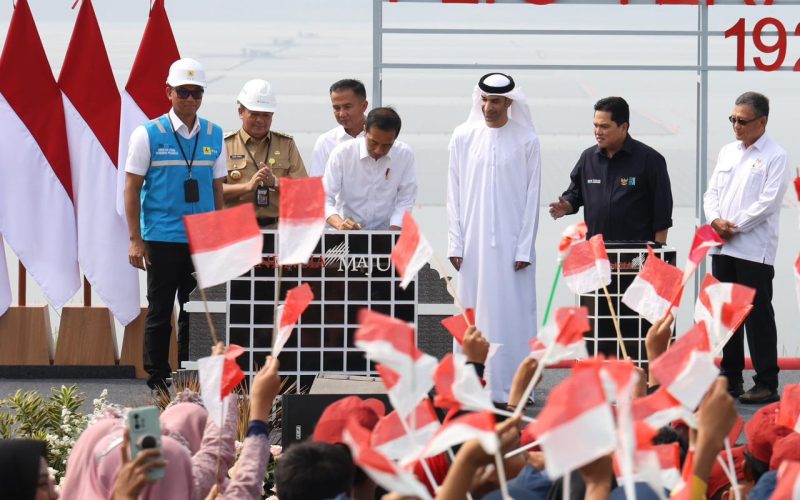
[493, 209]
[23, 471]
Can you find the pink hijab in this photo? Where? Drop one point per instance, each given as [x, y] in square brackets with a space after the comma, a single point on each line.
[185, 422]
[80, 465]
[178, 484]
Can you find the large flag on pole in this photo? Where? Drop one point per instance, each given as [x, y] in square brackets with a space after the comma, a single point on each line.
[144, 97]
[37, 216]
[224, 244]
[5, 285]
[92, 108]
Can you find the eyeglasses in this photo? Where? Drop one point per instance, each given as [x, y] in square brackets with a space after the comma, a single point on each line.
[185, 93]
[740, 121]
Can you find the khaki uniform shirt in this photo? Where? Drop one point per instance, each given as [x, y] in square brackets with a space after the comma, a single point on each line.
[276, 146]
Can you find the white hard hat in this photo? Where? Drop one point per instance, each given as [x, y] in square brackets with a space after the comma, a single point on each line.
[186, 71]
[257, 95]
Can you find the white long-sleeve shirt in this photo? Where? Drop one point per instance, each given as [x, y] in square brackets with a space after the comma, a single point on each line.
[746, 188]
[374, 193]
[323, 147]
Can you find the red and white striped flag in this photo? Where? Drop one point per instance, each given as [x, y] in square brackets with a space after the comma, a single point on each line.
[572, 235]
[730, 302]
[705, 238]
[788, 486]
[37, 215]
[378, 467]
[586, 267]
[386, 340]
[143, 98]
[641, 460]
[661, 408]
[390, 437]
[224, 244]
[92, 109]
[302, 213]
[653, 289]
[686, 370]
[406, 390]
[457, 325]
[297, 301]
[219, 375]
[411, 252]
[797, 187]
[789, 414]
[575, 426]
[5, 284]
[457, 386]
[562, 338]
[465, 428]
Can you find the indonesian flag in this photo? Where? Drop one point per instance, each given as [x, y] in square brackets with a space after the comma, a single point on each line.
[788, 487]
[705, 238]
[144, 98]
[789, 414]
[378, 467]
[572, 235]
[576, 425]
[5, 285]
[660, 409]
[219, 375]
[386, 340]
[391, 438]
[457, 325]
[797, 187]
[465, 428]
[797, 278]
[659, 466]
[302, 220]
[562, 338]
[687, 368]
[224, 244]
[297, 300]
[722, 307]
[652, 291]
[587, 268]
[411, 252]
[37, 215]
[457, 386]
[638, 462]
[406, 390]
[92, 109]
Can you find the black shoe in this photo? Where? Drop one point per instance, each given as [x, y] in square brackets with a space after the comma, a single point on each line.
[759, 395]
[736, 390]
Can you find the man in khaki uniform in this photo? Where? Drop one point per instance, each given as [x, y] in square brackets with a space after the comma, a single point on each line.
[258, 157]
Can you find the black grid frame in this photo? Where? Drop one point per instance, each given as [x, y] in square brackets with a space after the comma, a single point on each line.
[347, 271]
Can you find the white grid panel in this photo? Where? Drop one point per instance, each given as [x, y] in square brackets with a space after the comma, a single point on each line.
[626, 261]
[323, 338]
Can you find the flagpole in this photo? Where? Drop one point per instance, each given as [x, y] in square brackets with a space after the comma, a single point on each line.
[734, 479]
[519, 450]
[450, 289]
[616, 323]
[552, 292]
[208, 316]
[536, 375]
[422, 461]
[565, 486]
[219, 442]
[501, 475]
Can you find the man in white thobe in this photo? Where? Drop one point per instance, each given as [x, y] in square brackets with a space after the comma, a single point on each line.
[493, 209]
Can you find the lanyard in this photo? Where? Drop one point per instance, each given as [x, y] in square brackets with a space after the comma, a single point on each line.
[183, 153]
[266, 155]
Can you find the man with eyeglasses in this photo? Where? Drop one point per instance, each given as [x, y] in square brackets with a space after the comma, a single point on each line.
[743, 203]
[258, 157]
[175, 167]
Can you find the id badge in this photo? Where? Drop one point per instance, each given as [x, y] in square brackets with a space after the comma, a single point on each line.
[191, 191]
[262, 196]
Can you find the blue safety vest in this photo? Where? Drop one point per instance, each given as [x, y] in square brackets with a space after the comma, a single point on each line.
[163, 201]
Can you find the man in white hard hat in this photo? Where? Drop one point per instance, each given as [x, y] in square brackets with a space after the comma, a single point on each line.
[349, 103]
[259, 157]
[175, 167]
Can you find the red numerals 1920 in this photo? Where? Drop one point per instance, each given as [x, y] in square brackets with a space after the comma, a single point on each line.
[778, 47]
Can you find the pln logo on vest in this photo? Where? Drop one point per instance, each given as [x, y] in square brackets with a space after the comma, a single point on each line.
[627, 181]
[207, 150]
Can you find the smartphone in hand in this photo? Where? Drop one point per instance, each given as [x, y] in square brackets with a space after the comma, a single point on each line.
[144, 430]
